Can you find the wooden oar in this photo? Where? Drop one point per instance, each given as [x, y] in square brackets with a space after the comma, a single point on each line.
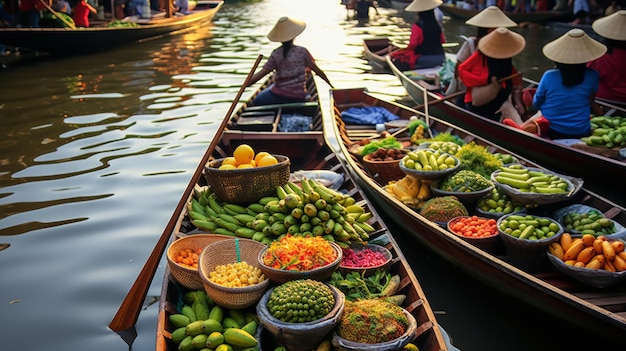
[458, 93]
[126, 316]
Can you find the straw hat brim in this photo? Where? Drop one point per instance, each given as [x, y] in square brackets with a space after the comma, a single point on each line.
[491, 17]
[422, 5]
[612, 26]
[574, 47]
[501, 43]
[286, 29]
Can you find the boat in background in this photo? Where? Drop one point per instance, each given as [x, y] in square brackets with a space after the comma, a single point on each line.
[100, 37]
[602, 311]
[599, 166]
[518, 17]
[375, 51]
[428, 336]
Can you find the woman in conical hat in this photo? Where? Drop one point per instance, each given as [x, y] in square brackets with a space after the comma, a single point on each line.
[565, 94]
[424, 49]
[612, 65]
[491, 62]
[485, 21]
[292, 65]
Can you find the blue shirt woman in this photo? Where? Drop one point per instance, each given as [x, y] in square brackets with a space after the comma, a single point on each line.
[566, 107]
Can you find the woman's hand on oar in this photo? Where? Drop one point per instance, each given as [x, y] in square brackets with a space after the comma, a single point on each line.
[126, 316]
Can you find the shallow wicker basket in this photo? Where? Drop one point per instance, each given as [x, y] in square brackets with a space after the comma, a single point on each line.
[281, 276]
[246, 185]
[383, 171]
[185, 276]
[227, 251]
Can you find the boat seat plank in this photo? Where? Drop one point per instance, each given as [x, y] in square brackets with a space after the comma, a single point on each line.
[298, 105]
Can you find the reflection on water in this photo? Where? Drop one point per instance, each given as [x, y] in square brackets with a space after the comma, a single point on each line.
[96, 150]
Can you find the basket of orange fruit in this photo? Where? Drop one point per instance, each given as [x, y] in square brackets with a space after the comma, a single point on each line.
[246, 176]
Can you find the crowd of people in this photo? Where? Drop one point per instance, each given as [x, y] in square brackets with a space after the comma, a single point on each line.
[560, 106]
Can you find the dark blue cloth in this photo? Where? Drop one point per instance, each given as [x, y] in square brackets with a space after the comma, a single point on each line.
[367, 115]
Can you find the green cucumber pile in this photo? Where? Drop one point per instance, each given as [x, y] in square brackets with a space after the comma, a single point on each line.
[607, 131]
[525, 180]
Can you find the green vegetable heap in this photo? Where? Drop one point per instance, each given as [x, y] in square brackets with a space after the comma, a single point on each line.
[372, 321]
[300, 301]
[465, 181]
[387, 143]
[478, 159]
[443, 208]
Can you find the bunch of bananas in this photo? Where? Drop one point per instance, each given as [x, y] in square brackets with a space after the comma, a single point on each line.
[411, 191]
[312, 209]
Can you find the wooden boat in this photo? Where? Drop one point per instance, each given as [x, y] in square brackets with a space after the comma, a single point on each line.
[599, 166]
[601, 311]
[428, 335]
[376, 49]
[100, 37]
[518, 17]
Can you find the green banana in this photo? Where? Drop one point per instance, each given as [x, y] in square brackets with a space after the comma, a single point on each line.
[244, 232]
[197, 215]
[257, 207]
[196, 206]
[365, 226]
[280, 192]
[267, 199]
[223, 231]
[221, 223]
[244, 218]
[214, 204]
[235, 208]
[206, 225]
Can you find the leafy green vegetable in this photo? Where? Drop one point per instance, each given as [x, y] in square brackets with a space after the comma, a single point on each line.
[387, 143]
[356, 286]
[478, 159]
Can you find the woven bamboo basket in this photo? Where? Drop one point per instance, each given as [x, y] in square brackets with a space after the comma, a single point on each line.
[246, 185]
[383, 171]
[186, 276]
[228, 251]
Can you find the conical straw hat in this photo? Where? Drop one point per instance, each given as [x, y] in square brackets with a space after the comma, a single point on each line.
[612, 26]
[423, 5]
[491, 17]
[286, 29]
[501, 43]
[574, 47]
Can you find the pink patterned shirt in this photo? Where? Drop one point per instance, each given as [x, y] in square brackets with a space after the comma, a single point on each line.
[291, 71]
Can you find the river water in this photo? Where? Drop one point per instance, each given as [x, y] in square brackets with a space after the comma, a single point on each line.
[96, 150]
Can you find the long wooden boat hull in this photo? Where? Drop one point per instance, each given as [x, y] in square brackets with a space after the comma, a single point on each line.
[428, 336]
[67, 41]
[535, 16]
[601, 173]
[601, 311]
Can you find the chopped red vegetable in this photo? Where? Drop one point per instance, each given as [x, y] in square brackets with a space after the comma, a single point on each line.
[362, 258]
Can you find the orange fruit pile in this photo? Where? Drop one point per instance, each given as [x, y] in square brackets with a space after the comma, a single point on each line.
[245, 157]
